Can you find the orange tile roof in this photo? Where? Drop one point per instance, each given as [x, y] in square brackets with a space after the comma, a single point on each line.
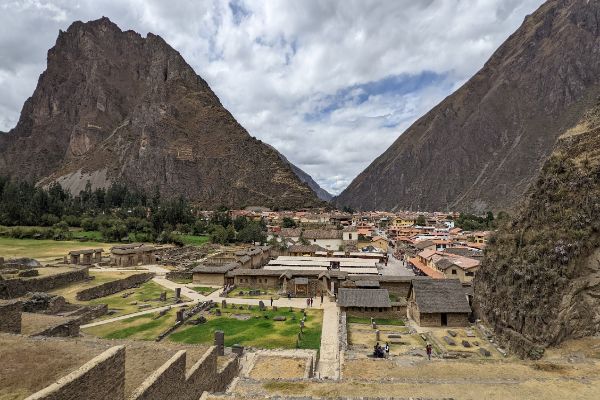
[431, 272]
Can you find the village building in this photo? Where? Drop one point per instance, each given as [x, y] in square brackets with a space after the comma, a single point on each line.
[85, 257]
[300, 250]
[130, 255]
[438, 302]
[366, 301]
[212, 274]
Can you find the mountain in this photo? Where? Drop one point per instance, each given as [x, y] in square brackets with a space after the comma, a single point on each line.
[115, 106]
[482, 146]
[306, 178]
[539, 283]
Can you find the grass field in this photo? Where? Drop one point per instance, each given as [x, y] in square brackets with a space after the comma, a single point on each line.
[269, 293]
[142, 327]
[195, 240]
[203, 290]
[44, 250]
[148, 292]
[255, 331]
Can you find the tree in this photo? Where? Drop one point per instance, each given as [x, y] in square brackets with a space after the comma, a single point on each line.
[421, 220]
[288, 222]
[252, 233]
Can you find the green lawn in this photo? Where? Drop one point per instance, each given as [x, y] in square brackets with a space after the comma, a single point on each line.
[195, 240]
[270, 293]
[142, 327]
[44, 250]
[205, 291]
[257, 331]
[88, 235]
[378, 321]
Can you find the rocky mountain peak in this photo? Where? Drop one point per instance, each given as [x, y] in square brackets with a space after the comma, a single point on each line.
[115, 106]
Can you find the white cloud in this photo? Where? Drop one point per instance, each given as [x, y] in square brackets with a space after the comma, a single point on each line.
[296, 74]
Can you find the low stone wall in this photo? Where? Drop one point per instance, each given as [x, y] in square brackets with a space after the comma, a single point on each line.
[69, 328]
[175, 275]
[10, 316]
[101, 378]
[11, 288]
[108, 288]
[202, 377]
[226, 375]
[343, 331]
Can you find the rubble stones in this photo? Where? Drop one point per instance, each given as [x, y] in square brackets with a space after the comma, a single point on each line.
[449, 341]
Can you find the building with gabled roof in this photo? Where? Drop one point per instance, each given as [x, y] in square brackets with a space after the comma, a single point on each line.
[438, 302]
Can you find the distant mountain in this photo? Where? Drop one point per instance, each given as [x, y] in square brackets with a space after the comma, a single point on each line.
[481, 147]
[539, 282]
[114, 106]
[306, 178]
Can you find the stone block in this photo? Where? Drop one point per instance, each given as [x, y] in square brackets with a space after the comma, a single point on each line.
[449, 341]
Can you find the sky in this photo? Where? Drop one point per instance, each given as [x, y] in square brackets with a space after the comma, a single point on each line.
[330, 83]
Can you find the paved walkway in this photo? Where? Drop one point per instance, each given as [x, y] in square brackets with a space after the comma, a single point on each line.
[329, 355]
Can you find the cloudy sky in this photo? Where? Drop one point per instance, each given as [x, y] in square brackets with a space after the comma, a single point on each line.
[331, 84]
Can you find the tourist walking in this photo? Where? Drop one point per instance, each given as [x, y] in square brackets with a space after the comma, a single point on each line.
[307, 302]
[289, 296]
[387, 349]
[321, 298]
[271, 301]
[428, 349]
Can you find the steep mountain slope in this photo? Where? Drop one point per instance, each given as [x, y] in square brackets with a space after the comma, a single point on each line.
[482, 146]
[306, 178]
[539, 283]
[113, 105]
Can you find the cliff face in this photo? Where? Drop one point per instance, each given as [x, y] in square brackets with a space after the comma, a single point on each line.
[113, 105]
[481, 147]
[539, 283]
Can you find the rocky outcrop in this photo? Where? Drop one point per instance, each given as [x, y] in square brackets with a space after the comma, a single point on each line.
[482, 147]
[115, 106]
[539, 282]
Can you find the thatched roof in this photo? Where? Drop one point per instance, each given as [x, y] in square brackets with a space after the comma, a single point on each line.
[363, 298]
[440, 296]
[367, 284]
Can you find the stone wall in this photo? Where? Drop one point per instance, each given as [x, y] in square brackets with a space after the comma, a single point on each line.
[101, 378]
[11, 288]
[69, 328]
[10, 316]
[226, 375]
[162, 383]
[175, 275]
[172, 378]
[400, 289]
[108, 288]
[458, 320]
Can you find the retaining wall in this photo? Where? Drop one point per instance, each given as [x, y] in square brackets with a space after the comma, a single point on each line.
[11, 288]
[101, 378]
[226, 375]
[10, 316]
[108, 288]
[173, 275]
[166, 382]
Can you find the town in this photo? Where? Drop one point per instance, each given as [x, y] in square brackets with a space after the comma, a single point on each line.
[326, 292]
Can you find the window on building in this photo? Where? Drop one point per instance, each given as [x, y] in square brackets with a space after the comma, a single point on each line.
[453, 272]
[469, 274]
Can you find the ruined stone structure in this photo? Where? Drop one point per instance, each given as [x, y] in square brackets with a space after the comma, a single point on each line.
[104, 378]
[10, 316]
[11, 288]
[108, 288]
[85, 257]
[132, 254]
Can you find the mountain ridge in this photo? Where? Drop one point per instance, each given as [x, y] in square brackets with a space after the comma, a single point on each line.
[481, 147]
[115, 106]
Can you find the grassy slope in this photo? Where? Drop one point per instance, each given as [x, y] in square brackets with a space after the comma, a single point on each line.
[44, 250]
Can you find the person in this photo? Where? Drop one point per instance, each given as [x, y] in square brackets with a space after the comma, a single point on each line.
[321, 298]
[311, 301]
[387, 349]
[307, 302]
[289, 296]
[271, 301]
[428, 348]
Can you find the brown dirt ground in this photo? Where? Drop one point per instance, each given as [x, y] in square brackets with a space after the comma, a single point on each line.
[30, 364]
[570, 372]
[32, 323]
[281, 367]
